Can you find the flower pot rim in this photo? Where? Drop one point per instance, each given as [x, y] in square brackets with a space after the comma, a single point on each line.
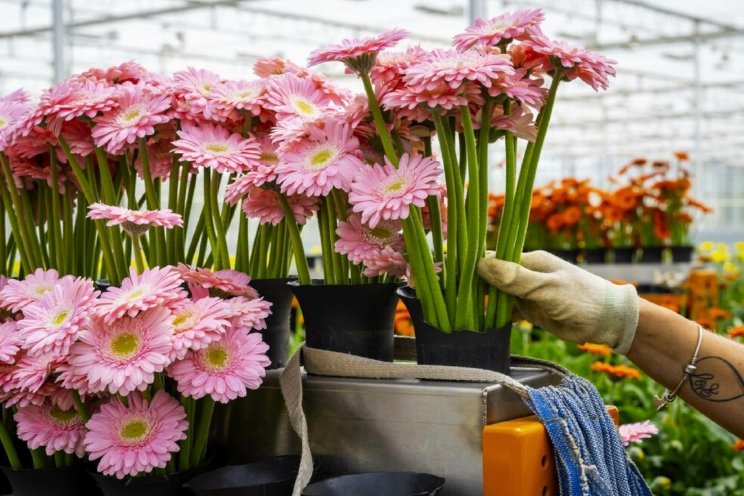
[319, 283]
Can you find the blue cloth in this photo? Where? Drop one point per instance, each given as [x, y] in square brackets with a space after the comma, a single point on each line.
[590, 457]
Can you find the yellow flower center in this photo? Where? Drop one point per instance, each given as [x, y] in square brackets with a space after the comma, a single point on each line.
[63, 416]
[42, 289]
[320, 159]
[495, 28]
[379, 234]
[246, 93]
[131, 114]
[395, 185]
[134, 430]
[217, 147]
[304, 107]
[269, 158]
[206, 87]
[125, 345]
[60, 317]
[134, 294]
[216, 357]
[3, 122]
[180, 323]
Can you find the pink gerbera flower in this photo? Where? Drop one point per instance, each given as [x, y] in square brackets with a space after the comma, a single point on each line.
[390, 66]
[12, 111]
[74, 98]
[387, 261]
[382, 192]
[225, 369]
[135, 439]
[125, 355]
[31, 372]
[10, 343]
[358, 54]
[193, 94]
[51, 324]
[17, 294]
[453, 69]
[198, 323]
[273, 66]
[249, 315]
[156, 287]
[326, 160]
[136, 116]
[52, 428]
[77, 135]
[291, 97]
[213, 146]
[134, 221]
[240, 95]
[264, 205]
[225, 282]
[501, 29]
[129, 71]
[358, 242]
[637, 432]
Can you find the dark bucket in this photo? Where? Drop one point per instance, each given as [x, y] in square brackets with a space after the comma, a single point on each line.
[652, 254]
[69, 481]
[484, 350]
[378, 484]
[595, 255]
[349, 318]
[623, 254]
[682, 254]
[150, 485]
[571, 255]
[270, 477]
[276, 334]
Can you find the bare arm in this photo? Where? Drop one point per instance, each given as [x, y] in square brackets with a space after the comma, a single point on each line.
[664, 343]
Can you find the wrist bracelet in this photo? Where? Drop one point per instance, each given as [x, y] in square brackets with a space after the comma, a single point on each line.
[670, 396]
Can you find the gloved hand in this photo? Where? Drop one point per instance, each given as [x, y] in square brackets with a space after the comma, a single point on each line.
[565, 300]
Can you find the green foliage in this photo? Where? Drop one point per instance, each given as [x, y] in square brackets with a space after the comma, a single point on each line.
[691, 455]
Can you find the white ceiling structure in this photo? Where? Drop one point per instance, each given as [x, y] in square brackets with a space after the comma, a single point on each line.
[680, 81]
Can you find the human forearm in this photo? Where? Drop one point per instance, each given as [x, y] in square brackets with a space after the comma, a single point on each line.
[664, 343]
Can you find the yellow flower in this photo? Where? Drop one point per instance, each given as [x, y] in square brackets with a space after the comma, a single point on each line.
[739, 245]
[524, 325]
[719, 256]
[706, 246]
[722, 247]
[729, 267]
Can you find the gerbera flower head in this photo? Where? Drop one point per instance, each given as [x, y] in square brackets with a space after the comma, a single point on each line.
[126, 72]
[125, 355]
[10, 343]
[387, 261]
[577, 62]
[13, 109]
[213, 146]
[134, 222]
[637, 432]
[358, 54]
[406, 100]
[273, 66]
[77, 135]
[225, 369]
[241, 95]
[52, 428]
[71, 99]
[265, 205]
[293, 97]
[453, 69]
[358, 242]
[53, 323]
[198, 323]
[326, 160]
[499, 30]
[137, 438]
[249, 315]
[156, 287]
[136, 116]
[31, 372]
[193, 95]
[390, 66]
[222, 282]
[17, 294]
[382, 192]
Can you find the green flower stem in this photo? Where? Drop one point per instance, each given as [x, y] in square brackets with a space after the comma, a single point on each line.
[453, 228]
[209, 219]
[27, 212]
[12, 206]
[184, 455]
[153, 203]
[184, 183]
[195, 239]
[435, 214]
[55, 232]
[38, 459]
[170, 236]
[465, 318]
[382, 130]
[483, 142]
[462, 232]
[202, 431]
[303, 273]
[139, 262]
[80, 406]
[3, 243]
[219, 227]
[9, 447]
[26, 258]
[329, 268]
[342, 276]
[110, 197]
[241, 251]
[59, 459]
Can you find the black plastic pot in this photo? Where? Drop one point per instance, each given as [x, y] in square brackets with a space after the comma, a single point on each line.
[71, 481]
[484, 350]
[623, 254]
[349, 318]
[270, 477]
[570, 255]
[652, 254]
[595, 255]
[378, 484]
[149, 485]
[276, 334]
[653, 289]
[682, 254]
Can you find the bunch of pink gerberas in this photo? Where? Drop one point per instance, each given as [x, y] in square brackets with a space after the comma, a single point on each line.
[128, 375]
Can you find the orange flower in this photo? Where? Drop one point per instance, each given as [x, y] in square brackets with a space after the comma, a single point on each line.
[660, 164]
[731, 276]
[402, 322]
[661, 230]
[705, 322]
[626, 198]
[618, 371]
[554, 222]
[736, 331]
[698, 204]
[571, 215]
[596, 349]
[738, 445]
[682, 156]
[718, 313]
[639, 161]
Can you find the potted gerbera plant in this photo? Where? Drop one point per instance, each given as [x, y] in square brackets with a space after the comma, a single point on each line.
[482, 90]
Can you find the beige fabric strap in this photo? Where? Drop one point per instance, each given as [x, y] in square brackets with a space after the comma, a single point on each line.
[329, 363]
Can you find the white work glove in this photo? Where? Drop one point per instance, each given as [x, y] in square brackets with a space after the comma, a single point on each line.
[565, 300]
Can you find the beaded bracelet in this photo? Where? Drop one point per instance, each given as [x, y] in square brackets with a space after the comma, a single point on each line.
[670, 396]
